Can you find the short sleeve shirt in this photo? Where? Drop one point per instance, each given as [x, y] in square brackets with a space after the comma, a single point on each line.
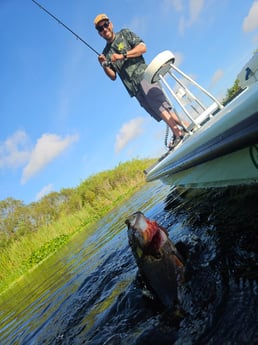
[130, 70]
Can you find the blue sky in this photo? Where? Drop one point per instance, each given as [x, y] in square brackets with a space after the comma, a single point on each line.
[63, 120]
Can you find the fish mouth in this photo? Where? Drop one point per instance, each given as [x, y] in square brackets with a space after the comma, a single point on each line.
[136, 219]
[145, 232]
[137, 228]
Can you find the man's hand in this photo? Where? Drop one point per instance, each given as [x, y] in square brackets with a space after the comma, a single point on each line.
[110, 72]
[116, 57]
[102, 59]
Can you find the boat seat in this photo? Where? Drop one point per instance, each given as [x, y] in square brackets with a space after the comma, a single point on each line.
[159, 66]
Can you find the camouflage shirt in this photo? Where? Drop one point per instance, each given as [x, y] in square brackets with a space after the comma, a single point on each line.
[130, 70]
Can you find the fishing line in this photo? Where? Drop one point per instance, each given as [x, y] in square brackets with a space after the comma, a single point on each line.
[66, 27]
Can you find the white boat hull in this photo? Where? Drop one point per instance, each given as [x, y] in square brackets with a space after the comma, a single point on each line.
[221, 172]
[223, 152]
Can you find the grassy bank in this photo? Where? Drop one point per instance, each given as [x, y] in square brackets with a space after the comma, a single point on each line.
[93, 198]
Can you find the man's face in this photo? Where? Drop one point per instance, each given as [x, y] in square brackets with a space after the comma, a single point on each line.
[105, 29]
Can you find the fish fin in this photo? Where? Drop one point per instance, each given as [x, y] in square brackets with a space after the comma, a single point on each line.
[178, 261]
[139, 252]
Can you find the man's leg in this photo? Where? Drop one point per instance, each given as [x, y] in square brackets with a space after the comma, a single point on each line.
[170, 121]
[179, 122]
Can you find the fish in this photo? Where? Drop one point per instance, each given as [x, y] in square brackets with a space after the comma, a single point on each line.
[160, 264]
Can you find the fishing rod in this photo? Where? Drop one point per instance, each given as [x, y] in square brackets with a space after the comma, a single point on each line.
[66, 27]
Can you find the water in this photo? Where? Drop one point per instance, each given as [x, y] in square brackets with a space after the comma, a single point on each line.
[88, 292]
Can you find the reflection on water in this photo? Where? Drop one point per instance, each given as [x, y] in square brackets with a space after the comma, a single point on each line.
[88, 293]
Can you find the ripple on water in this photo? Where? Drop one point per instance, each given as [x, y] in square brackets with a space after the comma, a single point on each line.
[88, 292]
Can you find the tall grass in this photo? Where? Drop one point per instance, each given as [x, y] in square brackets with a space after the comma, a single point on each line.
[109, 188]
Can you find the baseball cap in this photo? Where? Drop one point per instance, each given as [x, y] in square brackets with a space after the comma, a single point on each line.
[99, 18]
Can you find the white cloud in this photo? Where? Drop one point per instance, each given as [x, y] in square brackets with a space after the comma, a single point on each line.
[255, 39]
[182, 25]
[216, 77]
[138, 24]
[127, 132]
[195, 9]
[188, 11]
[176, 5]
[179, 58]
[14, 151]
[44, 191]
[48, 147]
[251, 20]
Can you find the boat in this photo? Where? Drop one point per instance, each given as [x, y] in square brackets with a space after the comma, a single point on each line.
[221, 146]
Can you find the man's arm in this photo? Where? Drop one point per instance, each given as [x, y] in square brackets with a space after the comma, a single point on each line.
[134, 52]
[138, 50]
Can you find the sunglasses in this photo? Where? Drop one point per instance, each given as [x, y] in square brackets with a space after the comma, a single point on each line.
[100, 28]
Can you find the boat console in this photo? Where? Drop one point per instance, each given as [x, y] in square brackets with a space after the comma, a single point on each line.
[160, 69]
[221, 150]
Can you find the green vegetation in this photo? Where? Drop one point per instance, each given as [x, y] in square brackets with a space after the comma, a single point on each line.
[235, 90]
[30, 233]
[232, 92]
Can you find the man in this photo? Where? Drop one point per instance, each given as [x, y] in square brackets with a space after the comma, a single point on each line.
[123, 55]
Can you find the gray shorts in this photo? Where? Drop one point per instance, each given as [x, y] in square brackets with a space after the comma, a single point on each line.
[152, 99]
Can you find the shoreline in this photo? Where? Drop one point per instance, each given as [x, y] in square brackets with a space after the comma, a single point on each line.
[28, 252]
